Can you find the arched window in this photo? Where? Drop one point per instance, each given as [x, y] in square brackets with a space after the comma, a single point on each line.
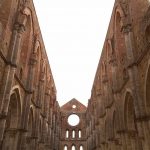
[73, 147]
[120, 40]
[79, 133]
[81, 147]
[73, 134]
[12, 120]
[67, 133]
[26, 44]
[129, 112]
[65, 147]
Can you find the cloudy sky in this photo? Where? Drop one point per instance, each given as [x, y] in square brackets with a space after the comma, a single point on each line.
[73, 33]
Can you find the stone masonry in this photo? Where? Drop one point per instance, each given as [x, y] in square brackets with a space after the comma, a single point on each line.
[118, 113]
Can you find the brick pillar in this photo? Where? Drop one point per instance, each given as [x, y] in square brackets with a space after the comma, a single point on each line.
[8, 76]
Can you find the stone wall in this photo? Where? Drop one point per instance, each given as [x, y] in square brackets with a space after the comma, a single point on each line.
[118, 113]
[29, 111]
[73, 134]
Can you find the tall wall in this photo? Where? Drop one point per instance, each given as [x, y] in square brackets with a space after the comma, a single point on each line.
[118, 113]
[73, 133]
[29, 111]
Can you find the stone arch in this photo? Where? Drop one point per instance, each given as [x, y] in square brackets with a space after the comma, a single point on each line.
[110, 51]
[12, 121]
[43, 69]
[110, 59]
[120, 46]
[37, 57]
[30, 129]
[43, 77]
[67, 133]
[26, 43]
[73, 134]
[73, 147]
[114, 126]
[40, 128]
[129, 112]
[119, 9]
[81, 147]
[79, 133]
[37, 53]
[65, 147]
[30, 122]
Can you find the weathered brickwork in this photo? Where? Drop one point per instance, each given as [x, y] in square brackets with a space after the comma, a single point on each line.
[118, 113]
[73, 135]
[28, 107]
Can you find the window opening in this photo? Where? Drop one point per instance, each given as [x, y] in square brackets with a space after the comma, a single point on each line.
[67, 133]
[73, 134]
[79, 134]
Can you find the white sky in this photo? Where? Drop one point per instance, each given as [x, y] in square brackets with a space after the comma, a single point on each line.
[73, 32]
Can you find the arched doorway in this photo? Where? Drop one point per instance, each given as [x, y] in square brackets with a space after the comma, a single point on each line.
[10, 139]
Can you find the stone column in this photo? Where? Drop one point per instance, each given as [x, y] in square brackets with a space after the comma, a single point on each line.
[27, 100]
[8, 76]
[41, 90]
[139, 104]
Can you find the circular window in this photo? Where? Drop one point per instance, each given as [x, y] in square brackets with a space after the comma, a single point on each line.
[73, 120]
[74, 106]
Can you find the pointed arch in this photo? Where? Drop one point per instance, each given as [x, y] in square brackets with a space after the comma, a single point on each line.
[114, 126]
[119, 10]
[30, 122]
[73, 147]
[37, 54]
[73, 134]
[147, 34]
[129, 112]
[40, 127]
[67, 134]
[27, 37]
[65, 147]
[80, 133]
[30, 129]
[109, 51]
[120, 46]
[81, 147]
[12, 120]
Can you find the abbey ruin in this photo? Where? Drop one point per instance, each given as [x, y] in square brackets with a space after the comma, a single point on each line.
[118, 113]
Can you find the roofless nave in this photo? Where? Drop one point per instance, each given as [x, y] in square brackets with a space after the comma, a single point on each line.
[118, 113]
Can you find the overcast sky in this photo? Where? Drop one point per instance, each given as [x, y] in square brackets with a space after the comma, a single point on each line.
[73, 32]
